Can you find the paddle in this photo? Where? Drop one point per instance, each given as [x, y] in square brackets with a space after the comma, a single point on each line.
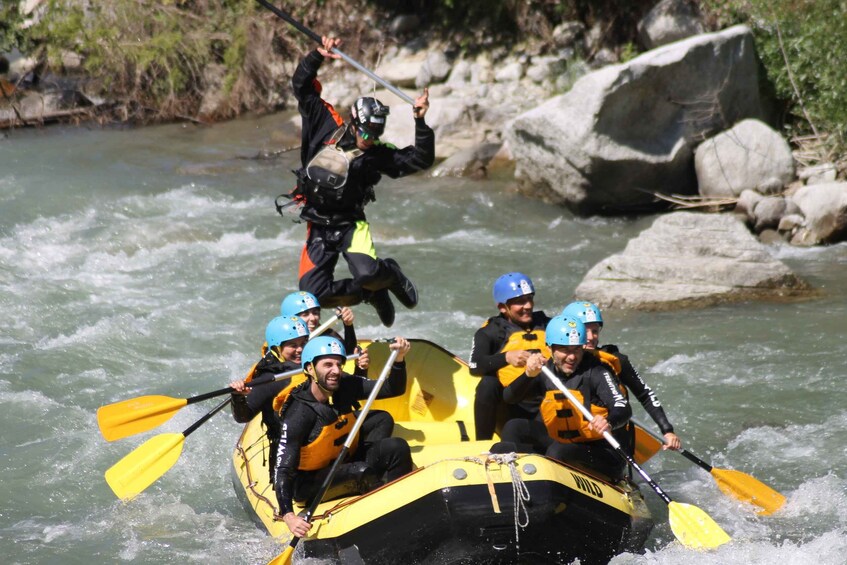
[284, 558]
[315, 37]
[152, 459]
[741, 486]
[691, 526]
[136, 415]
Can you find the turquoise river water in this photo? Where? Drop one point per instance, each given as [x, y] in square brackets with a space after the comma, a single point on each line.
[148, 261]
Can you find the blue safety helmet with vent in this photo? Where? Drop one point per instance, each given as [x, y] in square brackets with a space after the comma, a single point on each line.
[297, 302]
[512, 285]
[285, 328]
[585, 312]
[565, 330]
[322, 346]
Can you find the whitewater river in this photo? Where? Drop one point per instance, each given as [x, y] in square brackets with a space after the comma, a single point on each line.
[148, 261]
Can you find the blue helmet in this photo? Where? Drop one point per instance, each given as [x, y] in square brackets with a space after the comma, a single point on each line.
[565, 330]
[585, 312]
[321, 346]
[297, 302]
[282, 329]
[512, 285]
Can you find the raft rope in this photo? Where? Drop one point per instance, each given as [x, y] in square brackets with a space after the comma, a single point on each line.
[520, 492]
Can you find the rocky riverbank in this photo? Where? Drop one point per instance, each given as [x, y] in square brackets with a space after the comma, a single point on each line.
[687, 124]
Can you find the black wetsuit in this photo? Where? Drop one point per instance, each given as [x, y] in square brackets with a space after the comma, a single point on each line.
[486, 359]
[260, 399]
[377, 454]
[598, 386]
[340, 227]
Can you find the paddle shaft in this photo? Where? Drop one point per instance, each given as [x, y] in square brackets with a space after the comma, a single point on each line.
[688, 455]
[350, 438]
[325, 326]
[318, 331]
[315, 37]
[229, 389]
[609, 437]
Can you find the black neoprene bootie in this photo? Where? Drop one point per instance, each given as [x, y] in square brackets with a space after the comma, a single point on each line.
[381, 301]
[403, 288]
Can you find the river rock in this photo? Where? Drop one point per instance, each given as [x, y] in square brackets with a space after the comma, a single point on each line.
[750, 155]
[436, 68]
[818, 174]
[669, 21]
[824, 207]
[470, 162]
[687, 259]
[214, 97]
[627, 130]
[746, 203]
[568, 34]
[402, 70]
[790, 222]
[767, 213]
[404, 23]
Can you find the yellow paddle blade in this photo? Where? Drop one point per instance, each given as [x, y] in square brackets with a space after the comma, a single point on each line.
[748, 489]
[694, 528]
[283, 558]
[136, 415]
[646, 446]
[140, 468]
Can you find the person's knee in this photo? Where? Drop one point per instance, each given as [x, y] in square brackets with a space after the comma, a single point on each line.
[364, 268]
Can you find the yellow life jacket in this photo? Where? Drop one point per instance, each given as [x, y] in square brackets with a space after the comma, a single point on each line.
[282, 397]
[565, 423]
[328, 445]
[522, 341]
[607, 359]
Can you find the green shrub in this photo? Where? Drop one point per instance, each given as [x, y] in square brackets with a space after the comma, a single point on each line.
[807, 67]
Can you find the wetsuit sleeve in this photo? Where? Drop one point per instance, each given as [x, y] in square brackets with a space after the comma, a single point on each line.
[485, 356]
[304, 77]
[245, 408]
[360, 388]
[350, 342]
[394, 385]
[521, 388]
[296, 426]
[415, 157]
[645, 395]
[606, 389]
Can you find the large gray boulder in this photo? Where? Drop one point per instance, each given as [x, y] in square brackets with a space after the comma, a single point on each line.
[687, 259]
[627, 130]
[824, 207]
[749, 156]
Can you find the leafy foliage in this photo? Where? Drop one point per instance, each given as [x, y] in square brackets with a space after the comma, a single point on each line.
[150, 56]
[803, 44]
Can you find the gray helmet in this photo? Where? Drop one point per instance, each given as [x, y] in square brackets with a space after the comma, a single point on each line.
[369, 116]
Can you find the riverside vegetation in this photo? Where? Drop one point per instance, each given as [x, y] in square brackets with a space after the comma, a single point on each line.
[155, 60]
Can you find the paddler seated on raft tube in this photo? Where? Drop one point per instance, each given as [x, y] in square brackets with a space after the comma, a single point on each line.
[306, 306]
[341, 162]
[589, 314]
[284, 341]
[316, 416]
[501, 348]
[560, 431]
